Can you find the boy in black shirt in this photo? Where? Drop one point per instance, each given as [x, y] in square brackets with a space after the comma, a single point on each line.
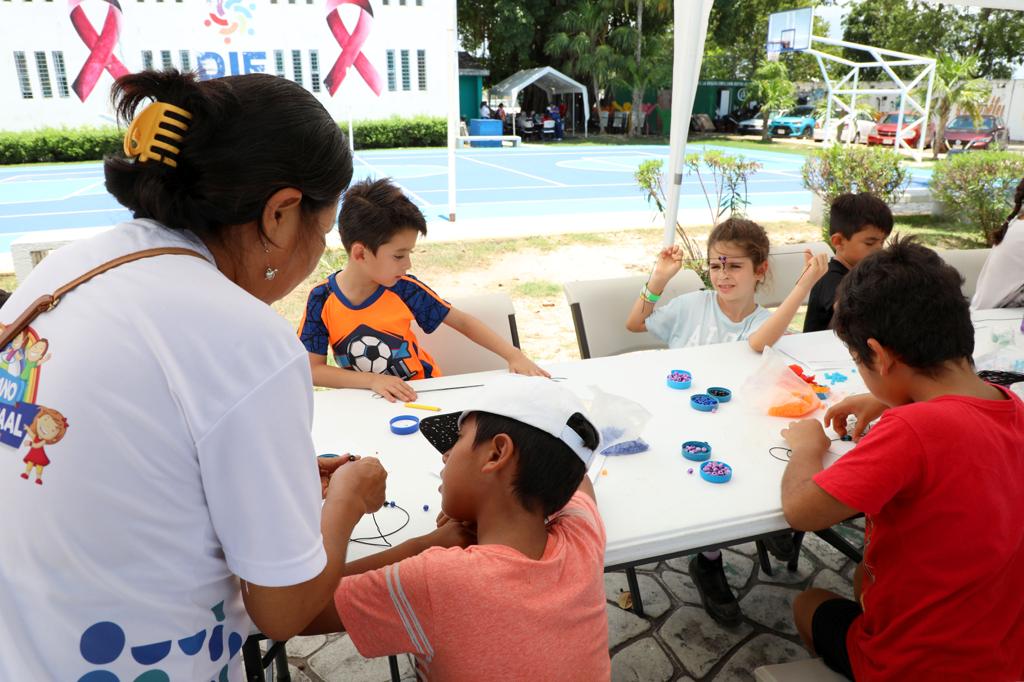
[858, 226]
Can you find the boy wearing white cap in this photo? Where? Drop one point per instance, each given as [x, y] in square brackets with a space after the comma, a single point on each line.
[527, 600]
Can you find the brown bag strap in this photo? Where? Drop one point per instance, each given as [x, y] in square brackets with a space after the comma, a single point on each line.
[49, 301]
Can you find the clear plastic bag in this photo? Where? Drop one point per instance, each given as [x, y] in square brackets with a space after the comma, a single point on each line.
[776, 390]
[620, 422]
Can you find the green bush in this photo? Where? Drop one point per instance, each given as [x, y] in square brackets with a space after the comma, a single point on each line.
[48, 145]
[58, 144]
[388, 133]
[840, 168]
[977, 188]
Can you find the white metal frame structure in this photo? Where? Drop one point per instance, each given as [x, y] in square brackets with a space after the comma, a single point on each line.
[691, 26]
[887, 60]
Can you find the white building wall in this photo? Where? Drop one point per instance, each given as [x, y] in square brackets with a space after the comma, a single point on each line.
[29, 27]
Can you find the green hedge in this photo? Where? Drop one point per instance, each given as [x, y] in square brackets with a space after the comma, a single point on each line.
[976, 188]
[388, 133]
[59, 144]
[91, 144]
[841, 168]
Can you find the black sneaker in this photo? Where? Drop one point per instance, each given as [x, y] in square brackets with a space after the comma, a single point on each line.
[781, 546]
[718, 599]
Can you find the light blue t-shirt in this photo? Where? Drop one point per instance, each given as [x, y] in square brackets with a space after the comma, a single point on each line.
[695, 319]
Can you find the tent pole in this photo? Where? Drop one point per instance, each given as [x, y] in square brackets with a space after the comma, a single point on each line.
[453, 104]
[691, 27]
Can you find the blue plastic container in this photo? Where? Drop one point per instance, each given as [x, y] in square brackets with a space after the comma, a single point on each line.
[702, 402]
[710, 478]
[485, 126]
[696, 456]
[722, 395]
[679, 385]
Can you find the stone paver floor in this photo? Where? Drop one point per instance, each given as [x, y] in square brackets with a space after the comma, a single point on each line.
[676, 640]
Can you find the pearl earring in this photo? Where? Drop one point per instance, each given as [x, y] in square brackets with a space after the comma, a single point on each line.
[269, 273]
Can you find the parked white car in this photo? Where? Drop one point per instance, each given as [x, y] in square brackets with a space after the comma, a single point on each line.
[856, 128]
[751, 126]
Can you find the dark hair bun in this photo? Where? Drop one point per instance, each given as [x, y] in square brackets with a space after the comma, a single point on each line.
[249, 137]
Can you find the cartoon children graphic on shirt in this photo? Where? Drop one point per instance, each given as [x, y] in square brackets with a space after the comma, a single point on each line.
[48, 428]
[14, 355]
[35, 355]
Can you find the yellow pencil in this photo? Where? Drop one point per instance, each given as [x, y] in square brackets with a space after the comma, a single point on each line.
[417, 406]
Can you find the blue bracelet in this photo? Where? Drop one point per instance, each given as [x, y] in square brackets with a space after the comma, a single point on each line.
[397, 426]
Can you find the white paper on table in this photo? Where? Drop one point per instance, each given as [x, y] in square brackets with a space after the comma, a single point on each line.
[816, 351]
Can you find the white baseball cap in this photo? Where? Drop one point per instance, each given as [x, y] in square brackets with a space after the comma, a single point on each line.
[535, 401]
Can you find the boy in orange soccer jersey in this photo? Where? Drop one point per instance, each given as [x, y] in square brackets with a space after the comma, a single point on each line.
[365, 312]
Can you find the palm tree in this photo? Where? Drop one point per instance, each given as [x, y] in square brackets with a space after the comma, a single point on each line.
[639, 74]
[582, 39]
[956, 89]
[773, 90]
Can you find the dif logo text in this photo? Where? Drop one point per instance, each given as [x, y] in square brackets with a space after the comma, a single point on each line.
[213, 64]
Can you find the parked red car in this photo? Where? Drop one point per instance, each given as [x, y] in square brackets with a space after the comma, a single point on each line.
[991, 134]
[885, 131]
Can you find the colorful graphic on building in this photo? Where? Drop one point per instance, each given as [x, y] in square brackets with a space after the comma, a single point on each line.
[230, 18]
[101, 47]
[22, 421]
[351, 46]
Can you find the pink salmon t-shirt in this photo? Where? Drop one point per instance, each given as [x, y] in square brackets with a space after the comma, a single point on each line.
[489, 612]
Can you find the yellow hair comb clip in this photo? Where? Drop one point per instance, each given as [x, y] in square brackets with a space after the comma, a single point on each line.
[141, 140]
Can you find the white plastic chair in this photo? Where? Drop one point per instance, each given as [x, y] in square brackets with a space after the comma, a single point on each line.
[785, 265]
[600, 307]
[968, 263]
[548, 130]
[454, 353]
[807, 670]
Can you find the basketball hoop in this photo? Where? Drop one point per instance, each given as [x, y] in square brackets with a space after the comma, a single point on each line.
[774, 50]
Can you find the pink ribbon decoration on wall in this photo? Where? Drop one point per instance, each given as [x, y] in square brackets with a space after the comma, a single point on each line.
[101, 47]
[351, 46]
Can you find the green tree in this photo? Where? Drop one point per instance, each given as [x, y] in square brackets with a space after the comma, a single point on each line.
[737, 37]
[956, 89]
[512, 33]
[773, 90]
[993, 36]
[650, 64]
[581, 40]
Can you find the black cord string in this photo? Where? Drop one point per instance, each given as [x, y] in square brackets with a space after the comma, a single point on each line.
[381, 535]
[786, 451]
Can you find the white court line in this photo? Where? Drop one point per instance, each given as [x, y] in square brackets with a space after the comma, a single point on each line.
[523, 187]
[91, 210]
[517, 172]
[83, 190]
[382, 174]
[55, 176]
[592, 199]
[606, 162]
[13, 177]
[475, 153]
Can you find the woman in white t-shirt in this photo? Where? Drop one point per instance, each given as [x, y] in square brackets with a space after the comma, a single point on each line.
[1001, 282]
[181, 502]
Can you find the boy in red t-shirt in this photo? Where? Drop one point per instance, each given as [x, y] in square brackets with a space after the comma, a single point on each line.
[364, 313]
[527, 601]
[940, 480]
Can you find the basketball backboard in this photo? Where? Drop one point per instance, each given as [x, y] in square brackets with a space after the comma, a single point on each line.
[790, 31]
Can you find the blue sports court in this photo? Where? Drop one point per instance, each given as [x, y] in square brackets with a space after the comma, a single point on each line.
[520, 182]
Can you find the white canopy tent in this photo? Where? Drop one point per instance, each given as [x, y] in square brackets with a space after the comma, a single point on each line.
[548, 79]
[691, 28]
